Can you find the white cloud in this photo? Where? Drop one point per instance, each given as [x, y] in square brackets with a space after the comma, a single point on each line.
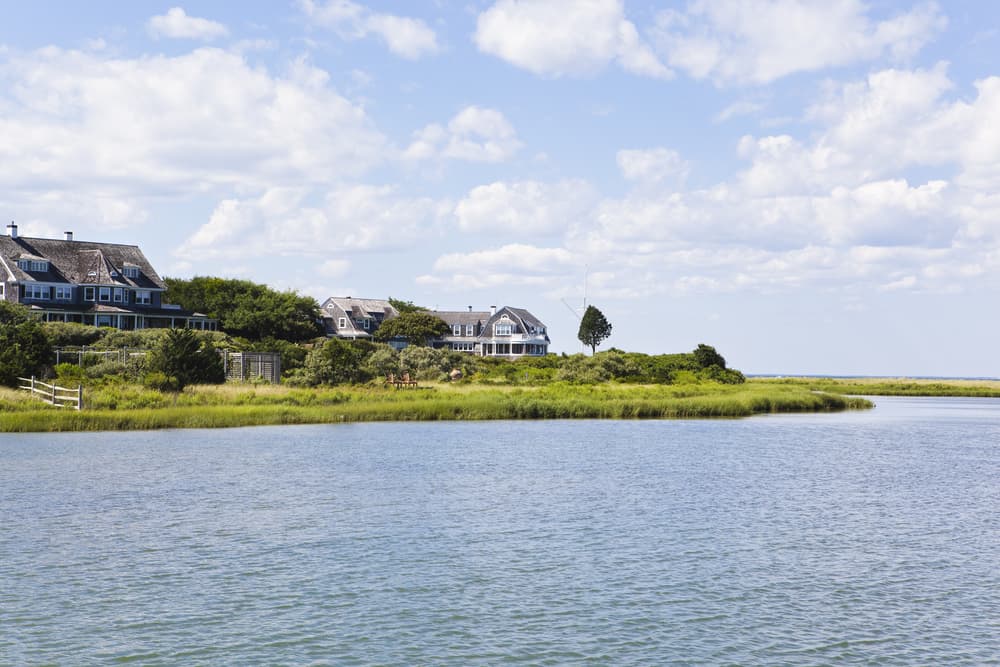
[185, 124]
[473, 134]
[176, 24]
[511, 265]
[759, 41]
[525, 207]
[565, 37]
[406, 37]
[286, 221]
[653, 165]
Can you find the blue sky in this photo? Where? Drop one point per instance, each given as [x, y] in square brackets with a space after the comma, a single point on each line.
[812, 187]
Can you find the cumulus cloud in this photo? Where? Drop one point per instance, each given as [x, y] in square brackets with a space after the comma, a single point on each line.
[474, 134]
[159, 125]
[565, 37]
[286, 221]
[176, 24]
[756, 42]
[406, 37]
[525, 207]
[653, 165]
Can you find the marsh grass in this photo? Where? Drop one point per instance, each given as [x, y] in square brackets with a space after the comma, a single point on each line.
[131, 407]
[890, 386]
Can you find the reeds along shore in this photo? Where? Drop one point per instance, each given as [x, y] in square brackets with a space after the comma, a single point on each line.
[128, 407]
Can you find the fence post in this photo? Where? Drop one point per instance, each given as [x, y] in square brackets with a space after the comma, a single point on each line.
[79, 397]
[32, 384]
[53, 392]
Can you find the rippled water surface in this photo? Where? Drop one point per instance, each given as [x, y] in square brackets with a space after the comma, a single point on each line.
[865, 538]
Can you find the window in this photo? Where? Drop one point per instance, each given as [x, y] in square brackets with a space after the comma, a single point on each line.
[368, 323]
[33, 264]
[35, 291]
[342, 323]
[130, 271]
[470, 330]
[463, 347]
[143, 297]
[503, 329]
[64, 293]
[119, 294]
[2, 288]
[104, 294]
[456, 329]
[88, 293]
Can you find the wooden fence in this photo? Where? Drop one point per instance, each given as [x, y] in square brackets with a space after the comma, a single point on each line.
[61, 397]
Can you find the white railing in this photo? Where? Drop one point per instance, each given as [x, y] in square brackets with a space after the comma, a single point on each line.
[60, 397]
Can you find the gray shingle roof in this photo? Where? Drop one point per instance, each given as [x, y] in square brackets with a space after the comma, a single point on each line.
[79, 262]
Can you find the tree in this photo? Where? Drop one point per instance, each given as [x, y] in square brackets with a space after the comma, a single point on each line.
[24, 347]
[247, 309]
[405, 306]
[594, 328]
[706, 356]
[181, 355]
[336, 362]
[417, 327]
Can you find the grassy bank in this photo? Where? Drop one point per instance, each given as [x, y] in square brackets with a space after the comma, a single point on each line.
[889, 386]
[129, 407]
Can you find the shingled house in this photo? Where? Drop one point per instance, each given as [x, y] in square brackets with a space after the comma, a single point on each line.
[347, 317]
[507, 332]
[100, 284]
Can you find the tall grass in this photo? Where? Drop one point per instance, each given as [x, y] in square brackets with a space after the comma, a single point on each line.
[128, 407]
[891, 386]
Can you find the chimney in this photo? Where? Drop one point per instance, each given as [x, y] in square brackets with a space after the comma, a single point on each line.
[68, 236]
[493, 311]
[12, 230]
[470, 309]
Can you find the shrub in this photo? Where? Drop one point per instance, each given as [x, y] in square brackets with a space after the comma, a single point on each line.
[24, 347]
[336, 362]
[64, 334]
[182, 356]
[160, 381]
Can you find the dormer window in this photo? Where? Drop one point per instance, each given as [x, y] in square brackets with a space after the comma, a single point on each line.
[130, 271]
[342, 323]
[456, 329]
[503, 329]
[41, 265]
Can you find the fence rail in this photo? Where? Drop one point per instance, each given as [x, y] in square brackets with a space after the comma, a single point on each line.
[61, 397]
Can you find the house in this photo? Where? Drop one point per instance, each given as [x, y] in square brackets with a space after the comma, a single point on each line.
[354, 319]
[507, 332]
[100, 284]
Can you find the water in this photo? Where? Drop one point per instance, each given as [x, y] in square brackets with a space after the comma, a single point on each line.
[864, 538]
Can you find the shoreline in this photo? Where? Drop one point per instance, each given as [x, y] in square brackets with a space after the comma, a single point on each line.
[227, 406]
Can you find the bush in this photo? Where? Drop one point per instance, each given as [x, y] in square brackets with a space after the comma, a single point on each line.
[425, 363]
[182, 356]
[24, 347]
[66, 334]
[336, 362]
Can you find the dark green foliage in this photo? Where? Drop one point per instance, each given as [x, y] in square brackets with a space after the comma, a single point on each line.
[188, 359]
[594, 328]
[716, 373]
[415, 327]
[247, 309]
[706, 356]
[335, 362]
[24, 348]
[67, 334]
[405, 306]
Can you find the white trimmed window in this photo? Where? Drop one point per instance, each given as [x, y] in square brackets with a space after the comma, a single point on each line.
[503, 329]
[342, 323]
[463, 347]
[64, 293]
[470, 329]
[119, 294]
[456, 329]
[368, 323]
[143, 297]
[104, 294]
[35, 291]
[130, 271]
[88, 293]
[33, 264]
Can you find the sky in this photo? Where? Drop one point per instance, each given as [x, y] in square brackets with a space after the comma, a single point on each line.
[812, 187]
